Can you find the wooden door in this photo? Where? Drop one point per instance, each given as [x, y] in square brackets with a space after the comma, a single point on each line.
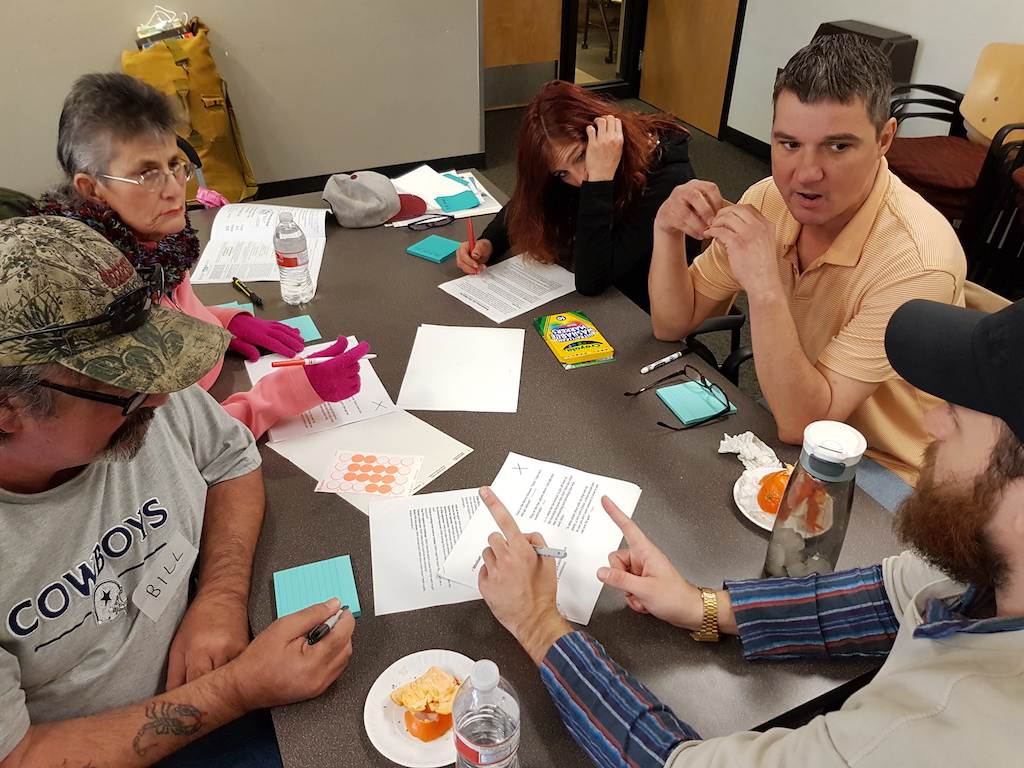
[686, 58]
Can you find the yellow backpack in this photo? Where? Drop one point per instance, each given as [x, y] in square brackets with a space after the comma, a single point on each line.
[184, 68]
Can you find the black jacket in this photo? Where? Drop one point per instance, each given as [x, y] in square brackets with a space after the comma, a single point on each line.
[609, 251]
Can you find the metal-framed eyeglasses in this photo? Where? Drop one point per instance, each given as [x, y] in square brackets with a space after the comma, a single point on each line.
[155, 179]
[124, 314]
[129, 405]
[690, 373]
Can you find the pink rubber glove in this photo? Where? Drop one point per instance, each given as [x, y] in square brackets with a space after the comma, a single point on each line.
[337, 379]
[251, 332]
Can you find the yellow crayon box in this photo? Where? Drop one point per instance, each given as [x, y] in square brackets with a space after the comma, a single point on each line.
[574, 339]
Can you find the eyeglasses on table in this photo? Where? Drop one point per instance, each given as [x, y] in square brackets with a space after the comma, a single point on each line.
[690, 373]
[431, 222]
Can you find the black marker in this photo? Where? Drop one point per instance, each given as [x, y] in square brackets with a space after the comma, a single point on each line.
[317, 633]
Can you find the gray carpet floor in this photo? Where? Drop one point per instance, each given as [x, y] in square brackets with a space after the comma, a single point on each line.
[731, 168]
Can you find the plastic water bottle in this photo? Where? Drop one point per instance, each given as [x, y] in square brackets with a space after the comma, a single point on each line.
[486, 718]
[292, 261]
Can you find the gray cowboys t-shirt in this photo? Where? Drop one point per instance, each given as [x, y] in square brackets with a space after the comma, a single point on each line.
[71, 641]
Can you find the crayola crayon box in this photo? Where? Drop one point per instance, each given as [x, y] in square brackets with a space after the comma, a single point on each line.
[574, 339]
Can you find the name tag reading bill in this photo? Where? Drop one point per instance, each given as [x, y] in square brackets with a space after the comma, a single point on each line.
[162, 579]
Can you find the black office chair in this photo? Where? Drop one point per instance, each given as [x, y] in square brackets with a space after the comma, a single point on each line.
[732, 321]
[193, 157]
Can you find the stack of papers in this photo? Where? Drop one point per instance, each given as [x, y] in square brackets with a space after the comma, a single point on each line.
[426, 549]
[452, 194]
[242, 243]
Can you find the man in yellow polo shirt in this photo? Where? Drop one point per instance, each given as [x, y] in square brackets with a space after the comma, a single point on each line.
[826, 249]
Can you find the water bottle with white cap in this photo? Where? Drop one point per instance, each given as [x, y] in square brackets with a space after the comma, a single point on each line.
[485, 714]
[815, 509]
[292, 261]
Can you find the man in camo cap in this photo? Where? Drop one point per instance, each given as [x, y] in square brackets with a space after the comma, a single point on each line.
[116, 476]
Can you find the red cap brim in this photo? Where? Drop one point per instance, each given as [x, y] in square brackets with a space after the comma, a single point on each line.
[412, 207]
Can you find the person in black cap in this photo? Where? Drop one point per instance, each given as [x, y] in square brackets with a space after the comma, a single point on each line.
[117, 473]
[948, 617]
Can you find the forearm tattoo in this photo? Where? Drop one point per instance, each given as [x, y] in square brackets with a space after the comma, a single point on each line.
[166, 719]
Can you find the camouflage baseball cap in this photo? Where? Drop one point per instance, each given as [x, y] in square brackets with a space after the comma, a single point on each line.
[55, 271]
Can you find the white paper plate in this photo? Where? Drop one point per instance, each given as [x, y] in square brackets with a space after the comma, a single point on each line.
[385, 721]
[744, 493]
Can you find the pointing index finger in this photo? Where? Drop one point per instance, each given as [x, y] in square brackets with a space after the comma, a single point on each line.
[630, 530]
[503, 518]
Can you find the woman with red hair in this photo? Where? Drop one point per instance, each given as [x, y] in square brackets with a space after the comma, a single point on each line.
[590, 179]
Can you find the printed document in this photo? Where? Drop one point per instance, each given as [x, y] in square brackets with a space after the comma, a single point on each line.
[455, 368]
[409, 539]
[428, 184]
[511, 287]
[564, 506]
[398, 432]
[242, 243]
[372, 399]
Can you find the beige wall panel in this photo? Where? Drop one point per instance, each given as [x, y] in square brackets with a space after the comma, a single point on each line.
[319, 86]
[686, 58]
[521, 31]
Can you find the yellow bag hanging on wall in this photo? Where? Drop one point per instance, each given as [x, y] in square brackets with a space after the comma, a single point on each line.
[184, 69]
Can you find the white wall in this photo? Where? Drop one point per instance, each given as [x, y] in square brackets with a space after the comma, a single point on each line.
[950, 34]
[319, 86]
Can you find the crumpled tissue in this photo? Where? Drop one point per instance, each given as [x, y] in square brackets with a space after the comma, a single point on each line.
[752, 451]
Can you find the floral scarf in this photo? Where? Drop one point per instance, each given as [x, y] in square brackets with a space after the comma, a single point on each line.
[176, 253]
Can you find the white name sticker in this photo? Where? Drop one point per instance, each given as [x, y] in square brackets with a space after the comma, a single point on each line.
[164, 576]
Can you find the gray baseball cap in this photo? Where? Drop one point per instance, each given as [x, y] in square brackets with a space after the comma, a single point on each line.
[56, 272]
[368, 199]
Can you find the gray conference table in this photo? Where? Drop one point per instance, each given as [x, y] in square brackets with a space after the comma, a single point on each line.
[371, 288]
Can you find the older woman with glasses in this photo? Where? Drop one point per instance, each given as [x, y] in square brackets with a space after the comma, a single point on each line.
[125, 178]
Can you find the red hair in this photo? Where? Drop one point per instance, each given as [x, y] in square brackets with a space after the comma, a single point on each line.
[541, 216]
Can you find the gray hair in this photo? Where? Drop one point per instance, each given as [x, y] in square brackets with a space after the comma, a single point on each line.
[104, 107]
[19, 390]
[840, 68]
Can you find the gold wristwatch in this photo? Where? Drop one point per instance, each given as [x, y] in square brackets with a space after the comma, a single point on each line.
[709, 625]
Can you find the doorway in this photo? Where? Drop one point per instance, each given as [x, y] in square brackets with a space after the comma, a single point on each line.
[601, 41]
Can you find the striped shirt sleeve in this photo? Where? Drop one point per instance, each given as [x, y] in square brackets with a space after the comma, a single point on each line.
[616, 720]
[819, 616]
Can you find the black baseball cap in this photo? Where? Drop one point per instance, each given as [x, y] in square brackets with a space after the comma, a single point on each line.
[965, 356]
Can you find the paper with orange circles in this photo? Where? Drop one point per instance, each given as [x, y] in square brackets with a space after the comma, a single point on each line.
[390, 476]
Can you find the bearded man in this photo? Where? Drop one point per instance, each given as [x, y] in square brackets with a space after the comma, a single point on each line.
[948, 617]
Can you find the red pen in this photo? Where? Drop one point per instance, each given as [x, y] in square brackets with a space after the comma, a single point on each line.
[472, 243]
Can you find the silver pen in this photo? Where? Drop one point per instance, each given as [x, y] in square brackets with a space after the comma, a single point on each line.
[549, 552]
[663, 361]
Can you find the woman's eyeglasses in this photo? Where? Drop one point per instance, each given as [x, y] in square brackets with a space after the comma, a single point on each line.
[431, 222]
[155, 179]
[692, 374]
[124, 314]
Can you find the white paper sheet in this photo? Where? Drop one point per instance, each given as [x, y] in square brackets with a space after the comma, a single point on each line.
[455, 368]
[397, 432]
[409, 539]
[511, 287]
[242, 243]
[371, 401]
[562, 504]
[428, 184]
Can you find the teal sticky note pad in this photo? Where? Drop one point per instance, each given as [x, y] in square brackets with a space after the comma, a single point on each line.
[304, 324]
[434, 248]
[691, 402]
[460, 202]
[459, 179]
[302, 586]
[235, 305]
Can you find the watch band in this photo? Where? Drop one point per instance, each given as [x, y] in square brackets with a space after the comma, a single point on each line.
[709, 625]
